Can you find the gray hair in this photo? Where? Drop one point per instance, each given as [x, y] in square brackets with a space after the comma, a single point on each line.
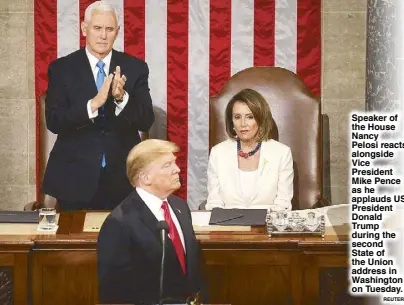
[99, 6]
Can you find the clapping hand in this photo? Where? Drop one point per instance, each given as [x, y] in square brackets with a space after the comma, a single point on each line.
[117, 85]
[100, 99]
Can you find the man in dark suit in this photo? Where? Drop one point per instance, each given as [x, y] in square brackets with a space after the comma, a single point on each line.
[97, 102]
[129, 247]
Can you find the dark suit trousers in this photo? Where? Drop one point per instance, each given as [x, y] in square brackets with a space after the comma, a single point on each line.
[107, 196]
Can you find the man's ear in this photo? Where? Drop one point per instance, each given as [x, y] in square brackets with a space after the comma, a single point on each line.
[145, 178]
[84, 28]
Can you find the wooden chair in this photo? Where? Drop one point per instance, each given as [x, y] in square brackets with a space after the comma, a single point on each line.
[298, 124]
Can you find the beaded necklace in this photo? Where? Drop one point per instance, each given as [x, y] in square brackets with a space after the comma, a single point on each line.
[249, 154]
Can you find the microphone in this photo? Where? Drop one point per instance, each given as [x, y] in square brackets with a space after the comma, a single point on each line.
[162, 226]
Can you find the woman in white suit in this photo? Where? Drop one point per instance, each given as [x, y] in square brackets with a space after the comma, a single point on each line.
[250, 170]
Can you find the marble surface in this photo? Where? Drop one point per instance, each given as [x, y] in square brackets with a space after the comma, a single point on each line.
[381, 55]
[343, 82]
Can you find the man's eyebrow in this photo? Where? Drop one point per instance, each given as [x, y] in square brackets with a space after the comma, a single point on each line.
[171, 161]
[107, 26]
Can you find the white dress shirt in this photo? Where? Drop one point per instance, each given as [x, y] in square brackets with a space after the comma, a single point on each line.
[93, 64]
[154, 204]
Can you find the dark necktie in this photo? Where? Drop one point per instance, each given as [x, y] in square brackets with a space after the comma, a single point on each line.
[174, 236]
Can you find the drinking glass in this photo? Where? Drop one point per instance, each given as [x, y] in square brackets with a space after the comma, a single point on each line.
[47, 219]
[275, 211]
[312, 222]
[281, 222]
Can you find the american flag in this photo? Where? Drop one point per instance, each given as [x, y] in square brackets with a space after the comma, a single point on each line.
[192, 48]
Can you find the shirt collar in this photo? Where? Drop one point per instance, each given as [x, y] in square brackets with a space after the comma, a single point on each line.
[152, 201]
[94, 60]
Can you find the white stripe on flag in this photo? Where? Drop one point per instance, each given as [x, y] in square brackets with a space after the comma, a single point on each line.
[198, 101]
[242, 35]
[286, 34]
[156, 58]
[119, 42]
[68, 27]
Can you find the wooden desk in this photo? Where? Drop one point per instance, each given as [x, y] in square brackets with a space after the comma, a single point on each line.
[14, 251]
[241, 268]
[244, 268]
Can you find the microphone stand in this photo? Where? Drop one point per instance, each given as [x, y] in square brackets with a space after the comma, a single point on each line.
[163, 228]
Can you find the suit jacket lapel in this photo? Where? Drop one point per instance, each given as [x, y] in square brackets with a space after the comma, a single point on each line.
[187, 230]
[150, 221]
[182, 219]
[114, 62]
[112, 67]
[86, 76]
[262, 168]
[146, 216]
[233, 169]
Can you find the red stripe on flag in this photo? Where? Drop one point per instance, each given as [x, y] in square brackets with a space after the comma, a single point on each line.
[177, 83]
[45, 20]
[220, 45]
[134, 29]
[309, 44]
[264, 32]
[83, 5]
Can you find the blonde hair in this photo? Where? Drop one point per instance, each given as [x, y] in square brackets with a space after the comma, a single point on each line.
[99, 6]
[145, 153]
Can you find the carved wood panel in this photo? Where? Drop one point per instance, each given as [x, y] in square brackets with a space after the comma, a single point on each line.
[334, 287]
[6, 286]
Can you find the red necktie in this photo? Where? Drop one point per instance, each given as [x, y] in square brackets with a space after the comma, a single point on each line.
[174, 236]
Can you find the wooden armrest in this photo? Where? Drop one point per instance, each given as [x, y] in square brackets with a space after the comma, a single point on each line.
[321, 203]
[33, 206]
[49, 202]
[202, 206]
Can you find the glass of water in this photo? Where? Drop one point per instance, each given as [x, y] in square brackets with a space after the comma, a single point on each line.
[312, 222]
[274, 212]
[282, 222]
[47, 219]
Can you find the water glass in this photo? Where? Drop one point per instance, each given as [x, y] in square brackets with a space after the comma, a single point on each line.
[275, 211]
[281, 222]
[47, 219]
[312, 222]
